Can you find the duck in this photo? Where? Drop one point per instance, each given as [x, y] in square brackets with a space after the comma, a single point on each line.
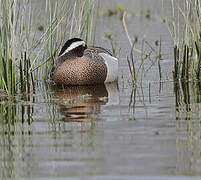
[79, 64]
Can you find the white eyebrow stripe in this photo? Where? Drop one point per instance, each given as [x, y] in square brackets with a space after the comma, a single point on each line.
[72, 46]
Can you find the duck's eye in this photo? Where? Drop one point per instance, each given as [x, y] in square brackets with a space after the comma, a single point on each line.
[84, 45]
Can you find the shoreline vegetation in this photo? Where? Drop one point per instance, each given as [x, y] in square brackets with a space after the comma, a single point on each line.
[26, 58]
[187, 43]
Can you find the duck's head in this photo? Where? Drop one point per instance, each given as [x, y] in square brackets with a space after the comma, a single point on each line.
[74, 46]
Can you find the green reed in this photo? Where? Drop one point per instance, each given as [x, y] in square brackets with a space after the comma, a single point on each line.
[64, 21]
[88, 23]
[187, 45]
[27, 55]
[29, 43]
[7, 79]
[131, 65]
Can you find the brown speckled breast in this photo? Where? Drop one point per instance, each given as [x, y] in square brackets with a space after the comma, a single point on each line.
[86, 70]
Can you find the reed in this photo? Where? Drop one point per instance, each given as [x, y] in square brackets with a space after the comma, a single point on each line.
[131, 65]
[187, 47]
[7, 79]
[88, 23]
[64, 21]
[27, 55]
[112, 42]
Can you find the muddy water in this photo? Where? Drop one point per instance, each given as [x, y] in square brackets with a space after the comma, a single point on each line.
[112, 131]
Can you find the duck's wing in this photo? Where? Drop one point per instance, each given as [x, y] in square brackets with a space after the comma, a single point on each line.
[101, 50]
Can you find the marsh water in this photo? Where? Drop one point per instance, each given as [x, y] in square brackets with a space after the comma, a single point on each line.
[112, 131]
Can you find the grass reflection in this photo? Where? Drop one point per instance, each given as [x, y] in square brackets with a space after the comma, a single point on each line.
[187, 97]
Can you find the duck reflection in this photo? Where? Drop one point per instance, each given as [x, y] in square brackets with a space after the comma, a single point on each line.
[82, 103]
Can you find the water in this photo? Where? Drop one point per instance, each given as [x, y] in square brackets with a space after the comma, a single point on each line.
[109, 131]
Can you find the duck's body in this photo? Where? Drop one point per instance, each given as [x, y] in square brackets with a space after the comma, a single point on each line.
[78, 64]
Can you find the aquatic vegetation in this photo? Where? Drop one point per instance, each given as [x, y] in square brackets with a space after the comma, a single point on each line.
[187, 47]
[118, 10]
[131, 65]
[29, 41]
[148, 14]
[129, 38]
[112, 42]
[109, 12]
[26, 55]
[121, 11]
[134, 73]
